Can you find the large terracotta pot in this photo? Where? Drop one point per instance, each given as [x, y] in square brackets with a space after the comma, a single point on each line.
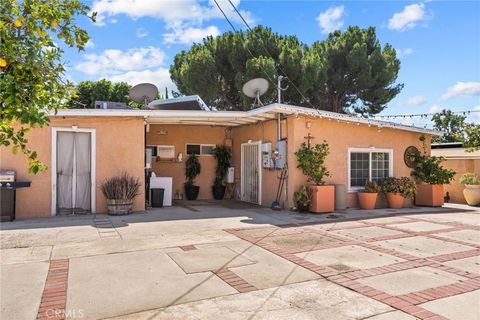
[322, 199]
[367, 200]
[472, 194]
[395, 200]
[430, 195]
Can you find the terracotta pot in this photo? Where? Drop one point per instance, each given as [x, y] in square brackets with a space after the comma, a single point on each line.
[430, 195]
[395, 200]
[367, 200]
[322, 199]
[472, 194]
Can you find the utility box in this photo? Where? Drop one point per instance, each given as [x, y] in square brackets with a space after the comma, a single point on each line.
[281, 154]
[231, 175]
[267, 162]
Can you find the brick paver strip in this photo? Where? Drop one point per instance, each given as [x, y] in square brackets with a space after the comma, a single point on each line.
[188, 248]
[54, 297]
[234, 280]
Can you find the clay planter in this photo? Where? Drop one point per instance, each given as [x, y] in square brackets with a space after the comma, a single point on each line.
[367, 200]
[395, 200]
[322, 199]
[430, 195]
[472, 194]
[119, 207]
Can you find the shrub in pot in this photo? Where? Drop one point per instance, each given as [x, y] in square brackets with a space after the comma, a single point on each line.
[430, 177]
[312, 163]
[301, 199]
[368, 197]
[192, 170]
[120, 192]
[472, 188]
[222, 155]
[397, 190]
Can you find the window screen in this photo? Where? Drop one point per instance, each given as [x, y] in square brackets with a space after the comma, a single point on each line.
[207, 149]
[193, 149]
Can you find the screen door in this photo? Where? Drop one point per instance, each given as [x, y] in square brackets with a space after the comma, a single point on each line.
[251, 172]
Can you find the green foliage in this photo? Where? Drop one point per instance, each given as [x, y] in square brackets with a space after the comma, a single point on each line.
[301, 198]
[470, 178]
[428, 169]
[87, 92]
[456, 130]
[371, 187]
[192, 169]
[223, 155]
[404, 185]
[122, 187]
[312, 162]
[348, 72]
[31, 71]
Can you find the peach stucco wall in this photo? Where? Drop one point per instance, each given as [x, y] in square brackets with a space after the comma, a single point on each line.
[455, 189]
[119, 147]
[179, 135]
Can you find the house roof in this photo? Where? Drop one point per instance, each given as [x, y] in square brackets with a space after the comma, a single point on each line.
[235, 118]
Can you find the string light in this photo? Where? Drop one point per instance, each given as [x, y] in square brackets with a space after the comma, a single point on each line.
[424, 115]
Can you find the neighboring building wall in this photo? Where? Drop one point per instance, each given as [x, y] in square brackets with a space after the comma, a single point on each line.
[179, 136]
[340, 136]
[119, 148]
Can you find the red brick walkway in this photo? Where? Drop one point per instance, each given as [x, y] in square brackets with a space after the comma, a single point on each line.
[54, 297]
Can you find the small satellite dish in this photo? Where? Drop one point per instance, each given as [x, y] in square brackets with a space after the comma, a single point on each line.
[255, 88]
[143, 93]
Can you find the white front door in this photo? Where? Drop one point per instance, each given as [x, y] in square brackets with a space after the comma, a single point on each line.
[251, 180]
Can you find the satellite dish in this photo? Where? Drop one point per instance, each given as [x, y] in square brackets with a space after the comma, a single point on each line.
[143, 93]
[255, 88]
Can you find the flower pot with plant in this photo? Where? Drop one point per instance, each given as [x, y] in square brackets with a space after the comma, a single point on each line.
[472, 188]
[430, 177]
[120, 192]
[192, 170]
[223, 155]
[368, 197]
[397, 190]
[312, 163]
[301, 199]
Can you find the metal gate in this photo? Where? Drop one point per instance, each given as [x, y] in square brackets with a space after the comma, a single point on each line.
[251, 183]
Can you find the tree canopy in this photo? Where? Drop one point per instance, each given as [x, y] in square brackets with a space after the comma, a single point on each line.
[456, 129]
[31, 71]
[87, 92]
[349, 72]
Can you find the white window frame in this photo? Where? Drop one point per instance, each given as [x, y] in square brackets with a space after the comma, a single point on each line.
[370, 151]
[93, 174]
[201, 145]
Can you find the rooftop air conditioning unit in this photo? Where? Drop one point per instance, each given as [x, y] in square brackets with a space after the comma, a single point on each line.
[110, 105]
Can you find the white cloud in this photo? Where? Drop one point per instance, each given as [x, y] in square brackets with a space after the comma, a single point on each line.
[113, 21]
[408, 18]
[160, 77]
[331, 19]
[462, 89]
[141, 33]
[404, 52]
[89, 44]
[190, 34]
[112, 61]
[416, 101]
[435, 109]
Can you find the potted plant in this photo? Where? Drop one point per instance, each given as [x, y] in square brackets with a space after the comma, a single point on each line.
[192, 170]
[120, 192]
[430, 177]
[397, 190]
[312, 163]
[222, 155]
[301, 199]
[368, 197]
[472, 188]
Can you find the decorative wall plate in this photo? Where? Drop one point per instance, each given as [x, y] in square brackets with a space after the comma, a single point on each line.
[410, 156]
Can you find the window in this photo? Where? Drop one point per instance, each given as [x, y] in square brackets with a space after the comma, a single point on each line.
[368, 164]
[199, 149]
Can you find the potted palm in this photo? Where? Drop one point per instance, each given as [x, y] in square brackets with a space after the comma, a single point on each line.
[222, 155]
[120, 192]
[368, 197]
[192, 170]
[430, 177]
[472, 188]
[312, 163]
[301, 199]
[397, 190]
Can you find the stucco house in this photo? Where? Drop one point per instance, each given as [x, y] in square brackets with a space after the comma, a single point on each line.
[110, 141]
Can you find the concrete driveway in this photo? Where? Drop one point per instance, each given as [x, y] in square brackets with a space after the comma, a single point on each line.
[228, 260]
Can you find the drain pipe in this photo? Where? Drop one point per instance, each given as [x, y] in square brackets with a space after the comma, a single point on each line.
[279, 100]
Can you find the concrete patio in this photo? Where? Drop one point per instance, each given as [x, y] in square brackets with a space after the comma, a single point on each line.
[205, 260]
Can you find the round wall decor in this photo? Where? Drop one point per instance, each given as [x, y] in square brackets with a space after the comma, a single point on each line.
[410, 156]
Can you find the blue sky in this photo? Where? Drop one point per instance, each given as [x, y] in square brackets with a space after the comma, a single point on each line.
[438, 41]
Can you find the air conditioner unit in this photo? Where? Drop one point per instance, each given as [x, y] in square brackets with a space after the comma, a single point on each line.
[166, 152]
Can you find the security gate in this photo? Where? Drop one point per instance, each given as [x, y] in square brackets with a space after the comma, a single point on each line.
[251, 183]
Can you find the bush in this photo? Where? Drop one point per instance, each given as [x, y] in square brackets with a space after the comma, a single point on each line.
[371, 187]
[122, 187]
[312, 162]
[470, 178]
[301, 198]
[222, 155]
[192, 169]
[404, 185]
